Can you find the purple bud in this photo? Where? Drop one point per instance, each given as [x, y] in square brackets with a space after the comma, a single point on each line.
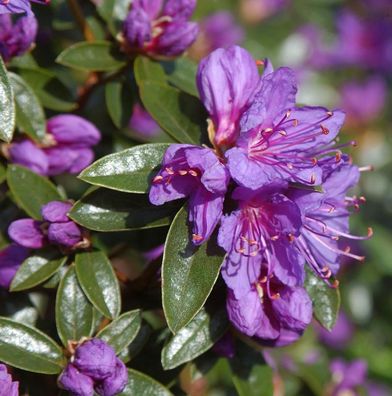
[56, 211]
[137, 28]
[72, 380]
[27, 233]
[27, 154]
[15, 7]
[69, 129]
[96, 359]
[179, 8]
[142, 123]
[115, 383]
[11, 258]
[7, 387]
[65, 234]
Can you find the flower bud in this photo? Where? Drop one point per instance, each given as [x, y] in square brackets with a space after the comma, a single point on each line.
[27, 233]
[179, 8]
[66, 234]
[72, 380]
[27, 154]
[137, 28]
[11, 258]
[56, 211]
[115, 383]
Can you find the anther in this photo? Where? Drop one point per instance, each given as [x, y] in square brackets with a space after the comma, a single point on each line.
[314, 161]
[182, 172]
[370, 232]
[170, 171]
[259, 62]
[291, 237]
[324, 129]
[329, 113]
[335, 284]
[288, 113]
[268, 130]
[263, 279]
[290, 166]
[157, 179]
[275, 296]
[193, 173]
[338, 156]
[275, 238]
[312, 178]
[196, 238]
[282, 132]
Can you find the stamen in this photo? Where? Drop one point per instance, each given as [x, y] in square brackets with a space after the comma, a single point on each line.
[330, 113]
[193, 173]
[196, 238]
[170, 171]
[157, 179]
[324, 129]
[182, 172]
[368, 168]
[259, 62]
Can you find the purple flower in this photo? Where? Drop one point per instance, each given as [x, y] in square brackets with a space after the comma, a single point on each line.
[11, 259]
[56, 228]
[160, 27]
[340, 335]
[197, 173]
[67, 148]
[142, 123]
[16, 38]
[7, 386]
[259, 232]
[272, 312]
[373, 89]
[227, 81]
[347, 377]
[115, 383]
[72, 380]
[278, 140]
[18, 6]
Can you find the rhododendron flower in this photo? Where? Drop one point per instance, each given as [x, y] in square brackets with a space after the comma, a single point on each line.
[348, 377]
[18, 6]
[11, 258]
[66, 149]
[7, 386]
[227, 81]
[16, 37]
[197, 173]
[142, 123]
[160, 27]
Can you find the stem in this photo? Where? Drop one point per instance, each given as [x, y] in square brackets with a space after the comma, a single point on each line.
[81, 20]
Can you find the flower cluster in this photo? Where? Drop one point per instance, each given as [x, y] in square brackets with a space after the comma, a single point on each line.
[277, 184]
[67, 147]
[94, 367]
[18, 6]
[7, 386]
[160, 27]
[16, 37]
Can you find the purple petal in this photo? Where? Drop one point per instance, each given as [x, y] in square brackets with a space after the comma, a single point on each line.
[179, 8]
[56, 211]
[137, 28]
[11, 258]
[115, 383]
[65, 234]
[72, 380]
[15, 6]
[225, 346]
[151, 7]
[26, 153]
[340, 335]
[7, 387]
[27, 233]
[142, 122]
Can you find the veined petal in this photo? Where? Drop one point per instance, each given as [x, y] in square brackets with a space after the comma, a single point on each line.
[179, 8]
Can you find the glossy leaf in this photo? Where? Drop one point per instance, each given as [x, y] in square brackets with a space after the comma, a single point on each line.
[74, 313]
[98, 281]
[188, 274]
[178, 113]
[30, 117]
[30, 190]
[108, 210]
[146, 69]
[37, 269]
[7, 105]
[182, 74]
[130, 170]
[326, 300]
[142, 385]
[122, 331]
[96, 56]
[118, 102]
[29, 349]
[194, 339]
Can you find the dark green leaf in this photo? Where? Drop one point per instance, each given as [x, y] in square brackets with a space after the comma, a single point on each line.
[29, 349]
[118, 102]
[114, 12]
[326, 300]
[30, 190]
[30, 117]
[140, 384]
[146, 69]
[122, 331]
[99, 282]
[96, 56]
[37, 269]
[178, 113]
[130, 170]
[195, 338]
[7, 105]
[3, 173]
[52, 93]
[108, 210]
[74, 313]
[182, 74]
[188, 274]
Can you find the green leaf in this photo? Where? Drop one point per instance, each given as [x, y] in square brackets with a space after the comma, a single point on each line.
[188, 274]
[99, 282]
[30, 117]
[7, 105]
[30, 190]
[74, 313]
[130, 170]
[107, 210]
[194, 339]
[178, 113]
[95, 56]
[142, 385]
[146, 69]
[29, 349]
[122, 331]
[118, 102]
[251, 376]
[182, 74]
[326, 300]
[37, 269]
[3, 173]
[52, 93]
[114, 13]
